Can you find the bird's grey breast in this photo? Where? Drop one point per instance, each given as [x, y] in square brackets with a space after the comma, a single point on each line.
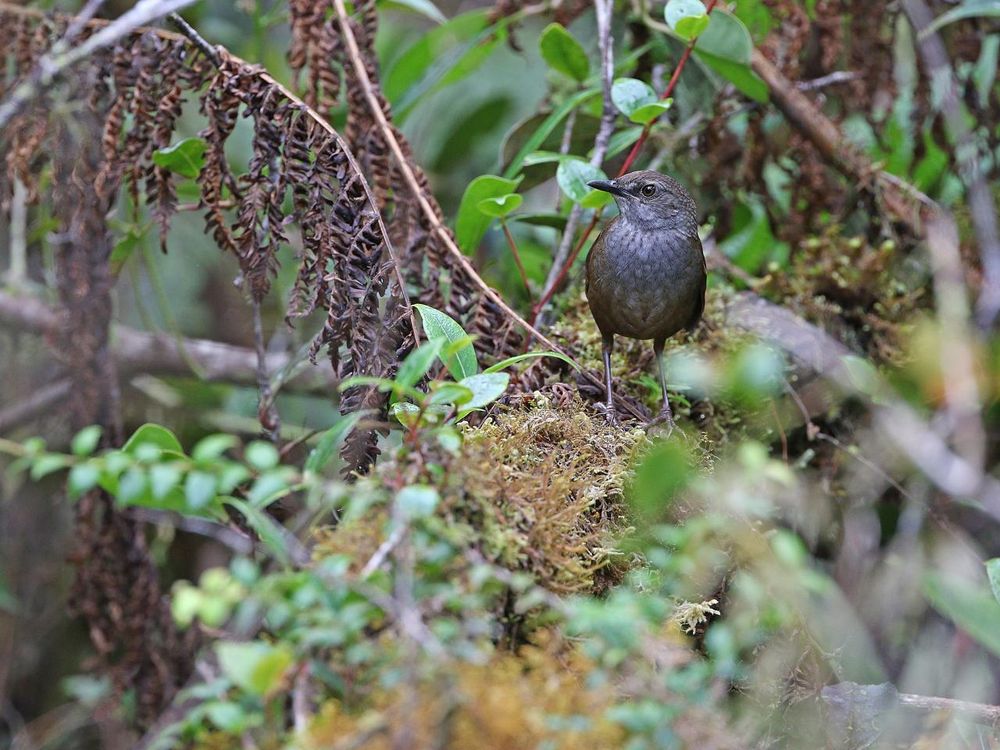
[650, 275]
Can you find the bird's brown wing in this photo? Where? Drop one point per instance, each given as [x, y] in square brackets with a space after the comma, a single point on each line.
[699, 305]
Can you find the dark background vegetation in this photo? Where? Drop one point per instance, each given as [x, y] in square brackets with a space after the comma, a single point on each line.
[281, 560]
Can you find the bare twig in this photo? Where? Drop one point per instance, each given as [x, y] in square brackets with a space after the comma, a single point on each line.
[517, 257]
[901, 198]
[894, 419]
[561, 269]
[157, 353]
[17, 274]
[967, 157]
[58, 60]
[384, 550]
[40, 401]
[357, 62]
[267, 411]
[605, 44]
[830, 79]
[236, 540]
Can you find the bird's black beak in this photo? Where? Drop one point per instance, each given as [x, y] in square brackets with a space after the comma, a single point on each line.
[608, 186]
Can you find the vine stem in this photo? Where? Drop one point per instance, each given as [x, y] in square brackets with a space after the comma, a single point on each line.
[517, 256]
[633, 154]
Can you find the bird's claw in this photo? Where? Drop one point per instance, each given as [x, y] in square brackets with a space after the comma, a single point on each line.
[665, 417]
[610, 414]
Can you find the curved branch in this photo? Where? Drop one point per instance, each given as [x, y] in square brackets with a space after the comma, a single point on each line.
[357, 61]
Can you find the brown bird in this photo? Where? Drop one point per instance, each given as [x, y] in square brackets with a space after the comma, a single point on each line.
[646, 271]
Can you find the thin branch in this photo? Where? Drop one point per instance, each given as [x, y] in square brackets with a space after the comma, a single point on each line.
[157, 353]
[517, 256]
[605, 44]
[357, 62]
[55, 61]
[562, 264]
[830, 79]
[902, 199]
[17, 274]
[267, 411]
[894, 419]
[384, 550]
[36, 404]
[237, 541]
[967, 157]
[667, 93]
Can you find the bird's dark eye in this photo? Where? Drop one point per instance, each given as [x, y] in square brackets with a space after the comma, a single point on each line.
[648, 190]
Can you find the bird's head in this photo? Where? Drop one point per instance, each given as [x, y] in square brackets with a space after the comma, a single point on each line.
[651, 200]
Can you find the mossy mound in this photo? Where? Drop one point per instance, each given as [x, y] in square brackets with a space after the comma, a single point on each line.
[543, 485]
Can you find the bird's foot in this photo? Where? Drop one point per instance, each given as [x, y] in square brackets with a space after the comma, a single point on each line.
[610, 414]
[666, 419]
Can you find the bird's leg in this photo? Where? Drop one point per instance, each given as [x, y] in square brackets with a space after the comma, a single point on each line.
[607, 344]
[666, 413]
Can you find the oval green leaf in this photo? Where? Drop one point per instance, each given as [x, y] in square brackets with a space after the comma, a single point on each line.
[470, 222]
[563, 53]
[500, 206]
[186, 158]
[441, 327]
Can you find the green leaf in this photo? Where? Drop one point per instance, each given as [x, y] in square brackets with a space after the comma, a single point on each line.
[649, 112]
[563, 53]
[725, 47]
[968, 9]
[163, 478]
[993, 572]
[545, 129]
[132, 487]
[261, 455]
[212, 446]
[441, 59]
[417, 501]
[450, 393]
[199, 489]
[425, 8]
[405, 413]
[505, 363]
[418, 362]
[441, 327]
[573, 176]
[470, 222]
[688, 18]
[383, 384]
[268, 488]
[330, 441]
[973, 610]
[256, 667]
[985, 72]
[228, 716]
[628, 94]
[752, 243]
[500, 206]
[48, 463]
[186, 158]
[82, 477]
[486, 388]
[623, 139]
[554, 221]
[86, 440]
[637, 101]
[153, 434]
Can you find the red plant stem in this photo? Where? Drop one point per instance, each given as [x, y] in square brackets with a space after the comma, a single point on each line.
[667, 93]
[517, 258]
